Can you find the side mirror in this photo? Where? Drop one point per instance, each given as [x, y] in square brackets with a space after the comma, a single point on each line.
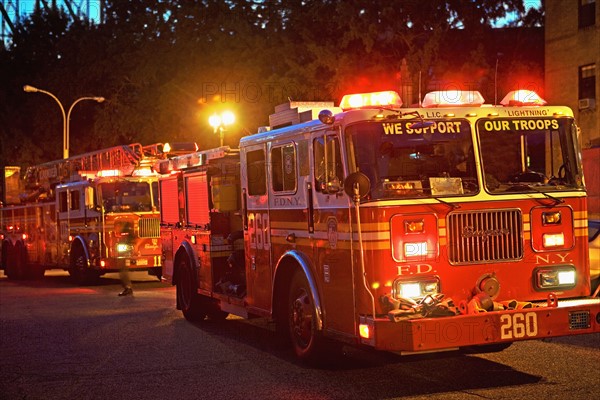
[326, 117]
[357, 184]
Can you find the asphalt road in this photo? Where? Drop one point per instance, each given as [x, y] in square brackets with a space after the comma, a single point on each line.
[58, 341]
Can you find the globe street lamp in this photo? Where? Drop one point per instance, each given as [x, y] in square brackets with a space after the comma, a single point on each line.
[66, 117]
[219, 123]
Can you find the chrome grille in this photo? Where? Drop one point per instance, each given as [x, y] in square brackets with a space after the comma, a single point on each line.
[579, 320]
[149, 227]
[484, 236]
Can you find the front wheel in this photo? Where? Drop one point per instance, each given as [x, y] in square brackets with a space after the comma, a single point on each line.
[79, 268]
[306, 339]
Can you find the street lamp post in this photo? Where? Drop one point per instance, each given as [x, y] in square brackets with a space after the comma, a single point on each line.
[220, 122]
[66, 117]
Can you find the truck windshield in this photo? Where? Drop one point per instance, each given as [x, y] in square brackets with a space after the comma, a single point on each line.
[403, 160]
[529, 154]
[125, 196]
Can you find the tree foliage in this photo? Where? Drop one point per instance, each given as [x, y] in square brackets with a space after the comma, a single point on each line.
[164, 67]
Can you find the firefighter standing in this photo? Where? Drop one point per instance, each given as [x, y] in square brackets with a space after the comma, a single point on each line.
[125, 238]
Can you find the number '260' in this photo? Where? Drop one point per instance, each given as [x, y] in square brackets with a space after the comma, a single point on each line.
[518, 325]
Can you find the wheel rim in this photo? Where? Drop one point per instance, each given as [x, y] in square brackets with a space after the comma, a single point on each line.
[80, 263]
[79, 267]
[301, 319]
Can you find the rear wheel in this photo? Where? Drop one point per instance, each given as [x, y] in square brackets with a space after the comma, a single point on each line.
[188, 299]
[25, 269]
[4, 255]
[15, 268]
[306, 339]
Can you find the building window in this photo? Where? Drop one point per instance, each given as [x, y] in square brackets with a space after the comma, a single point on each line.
[587, 13]
[587, 81]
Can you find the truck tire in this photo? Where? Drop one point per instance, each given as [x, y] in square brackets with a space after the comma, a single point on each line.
[188, 299]
[4, 255]
[15, 268]
[23, 268]
[21, 262]
[79, 268]
[306, 339]
[9, 264]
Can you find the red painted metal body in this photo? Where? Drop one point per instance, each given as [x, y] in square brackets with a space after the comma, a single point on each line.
[459, 240]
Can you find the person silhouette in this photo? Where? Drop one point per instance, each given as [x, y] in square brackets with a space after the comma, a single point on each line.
[125, 237]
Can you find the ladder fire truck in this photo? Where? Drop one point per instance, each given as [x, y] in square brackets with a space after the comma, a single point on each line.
[451, 225]
[85, 214]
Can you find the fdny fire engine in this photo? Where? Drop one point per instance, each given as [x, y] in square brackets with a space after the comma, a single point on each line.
[450, 225]
[87, 214]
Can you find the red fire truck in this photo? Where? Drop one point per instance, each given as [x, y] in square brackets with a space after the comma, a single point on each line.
[452, 225]
[85, 214]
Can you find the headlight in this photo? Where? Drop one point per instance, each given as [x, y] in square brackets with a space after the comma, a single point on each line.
[553, 239]
[552, 229]
[414, 226]
[549, 278]
[414, 237]
[415, 249]
[123, 247]
[410, 290]
[416, 289]
[551, 218]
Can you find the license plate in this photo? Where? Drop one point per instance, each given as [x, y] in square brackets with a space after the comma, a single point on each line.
[142, 262]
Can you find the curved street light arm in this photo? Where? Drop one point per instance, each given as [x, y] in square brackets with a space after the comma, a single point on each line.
[66, 117]
[31, 89]
[68, 126]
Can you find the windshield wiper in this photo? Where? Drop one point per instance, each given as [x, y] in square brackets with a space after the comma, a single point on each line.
[421, 122]
[451, 205]
[556, 200]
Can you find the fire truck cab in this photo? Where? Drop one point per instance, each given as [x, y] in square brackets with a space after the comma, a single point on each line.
[452, 225]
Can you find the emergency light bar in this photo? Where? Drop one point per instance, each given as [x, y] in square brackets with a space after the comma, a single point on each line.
[453, 98]
[143, 172]
[523, 98]
[179, 148]
[371, 100]
[108, 173]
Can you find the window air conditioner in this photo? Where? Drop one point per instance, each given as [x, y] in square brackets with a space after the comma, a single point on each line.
[585, 104]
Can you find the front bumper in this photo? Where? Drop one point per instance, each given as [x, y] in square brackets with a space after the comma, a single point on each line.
[558, 318]
[143, 263]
